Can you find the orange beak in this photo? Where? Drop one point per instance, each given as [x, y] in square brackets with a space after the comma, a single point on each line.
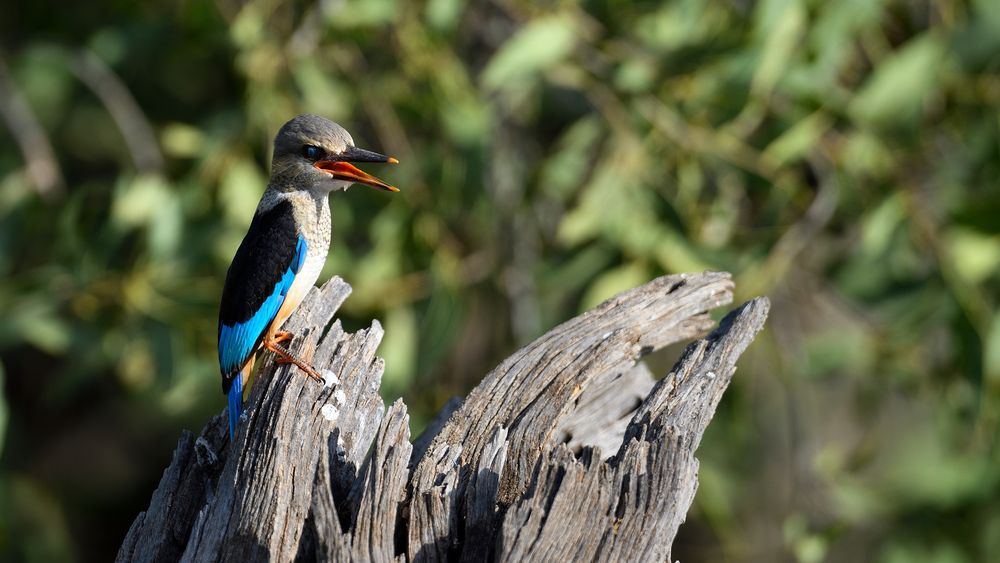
[346, 171]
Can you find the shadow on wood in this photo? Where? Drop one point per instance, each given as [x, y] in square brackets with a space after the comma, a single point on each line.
[568, 450]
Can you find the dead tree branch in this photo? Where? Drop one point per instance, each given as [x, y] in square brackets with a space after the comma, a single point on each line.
[568, 450]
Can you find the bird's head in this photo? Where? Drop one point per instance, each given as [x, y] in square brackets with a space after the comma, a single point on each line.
[314, 153]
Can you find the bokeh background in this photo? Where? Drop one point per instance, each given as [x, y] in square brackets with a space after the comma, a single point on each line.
[840, 157]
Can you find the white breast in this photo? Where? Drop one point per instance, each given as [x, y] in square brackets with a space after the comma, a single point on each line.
[313, 217]
[306, 278]
[304, 281]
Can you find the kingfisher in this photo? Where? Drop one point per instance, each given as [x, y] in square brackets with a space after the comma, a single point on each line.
[285, 247]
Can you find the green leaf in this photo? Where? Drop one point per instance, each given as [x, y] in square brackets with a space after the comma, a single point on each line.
[363, 13]
[137, 201]
[44, 79]
[878, 226]
[34, 320]
[538, 46]
[781, 40]
[902, 84]
[976, 256]
[182, 140]
[240, 190]
[613, 282]
[324, 95]
[443, 15]
[866, 154]
[4, 410]
[799, 140]
[466, 121]
[149, 201]
[564, 171]
[991, 353]
[399, 348]
[918, 551]
[636, 75]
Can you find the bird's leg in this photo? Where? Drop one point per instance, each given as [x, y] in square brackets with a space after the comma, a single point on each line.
[282, 336]
[286, 357]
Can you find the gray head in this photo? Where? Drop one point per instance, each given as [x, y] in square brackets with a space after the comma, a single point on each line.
[313, 153]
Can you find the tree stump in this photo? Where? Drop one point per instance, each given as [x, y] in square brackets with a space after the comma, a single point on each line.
[568, 450]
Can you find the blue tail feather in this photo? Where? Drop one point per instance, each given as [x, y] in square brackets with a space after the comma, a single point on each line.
[235, 404]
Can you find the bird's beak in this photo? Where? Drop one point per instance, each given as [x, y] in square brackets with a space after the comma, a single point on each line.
[341, 168]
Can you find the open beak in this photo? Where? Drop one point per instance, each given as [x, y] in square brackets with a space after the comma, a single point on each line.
[342, 169]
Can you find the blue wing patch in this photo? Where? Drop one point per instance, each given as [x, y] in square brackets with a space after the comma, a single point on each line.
[235, 396]
[238, 341]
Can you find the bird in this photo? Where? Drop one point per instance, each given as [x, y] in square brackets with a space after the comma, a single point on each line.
[285, 247]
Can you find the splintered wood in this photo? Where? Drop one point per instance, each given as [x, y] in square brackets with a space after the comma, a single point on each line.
[566, 451]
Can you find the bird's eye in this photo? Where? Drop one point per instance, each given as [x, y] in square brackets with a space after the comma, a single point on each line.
[312, 152]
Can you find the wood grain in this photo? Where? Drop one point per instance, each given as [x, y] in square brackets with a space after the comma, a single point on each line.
[568, 450]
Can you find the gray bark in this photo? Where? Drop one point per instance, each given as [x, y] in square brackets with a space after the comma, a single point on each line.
[568, 450]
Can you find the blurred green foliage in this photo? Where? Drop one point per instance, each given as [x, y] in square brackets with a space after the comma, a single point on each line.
[840, 157]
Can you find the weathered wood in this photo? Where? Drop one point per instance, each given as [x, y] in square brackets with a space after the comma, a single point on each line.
[635, 501]
[515, 472]
[604, 409]
[380, 490]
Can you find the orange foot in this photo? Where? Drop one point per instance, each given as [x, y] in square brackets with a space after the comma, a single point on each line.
[286, 357]
[282, 336]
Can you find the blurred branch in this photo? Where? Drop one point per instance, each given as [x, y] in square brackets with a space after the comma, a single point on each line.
[40, 160]
[703, 140]
[140, 140]
[803, 232]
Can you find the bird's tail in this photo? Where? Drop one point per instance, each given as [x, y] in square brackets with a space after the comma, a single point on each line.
[235, 404]
[241, 382]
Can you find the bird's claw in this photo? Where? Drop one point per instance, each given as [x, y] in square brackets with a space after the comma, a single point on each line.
[313, 374]
[286, 357]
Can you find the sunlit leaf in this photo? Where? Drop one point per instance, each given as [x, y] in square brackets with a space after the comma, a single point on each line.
[443, 14]
[991, 353]
[466, 121]
[866, 155]
[781, 41]
[613, 282]
[564, 171]
[799, 140]
[138, 201]
[636, 75]
[323, 94]
[241, 187]
[35, 321]
[898, 90]
[363, 13]
[539, 45]
[182, 140]
[976, 256]
[399, 348]
[878, 226]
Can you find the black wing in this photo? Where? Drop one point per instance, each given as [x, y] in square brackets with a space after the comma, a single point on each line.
[258, 279]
